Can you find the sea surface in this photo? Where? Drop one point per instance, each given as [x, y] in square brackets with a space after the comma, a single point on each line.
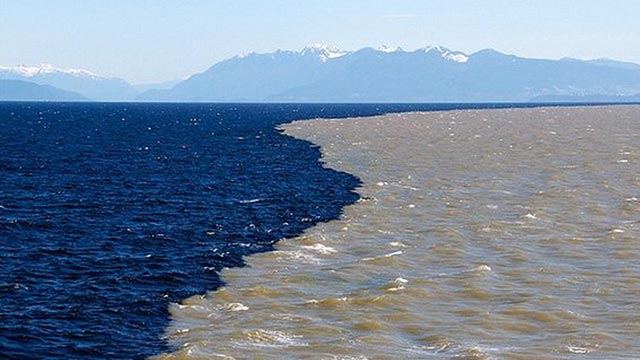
[111, 212]
[480, 234]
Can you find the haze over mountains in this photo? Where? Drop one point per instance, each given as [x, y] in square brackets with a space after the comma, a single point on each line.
[90, 85]
[18, 90]
[322, 73]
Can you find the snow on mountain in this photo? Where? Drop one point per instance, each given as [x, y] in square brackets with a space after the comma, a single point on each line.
[455, 56]
[30, 71]
[84, 82]
[325, 73]
[325, 52]
[385, 49]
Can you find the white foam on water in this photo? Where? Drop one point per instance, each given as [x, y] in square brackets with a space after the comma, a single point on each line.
[320, 248]
[234, 307]
[578, 349]
[271, 339]
[251, 201]
[395, 253]
[483, 268]
[397, 244]
[297, 255]
[397, 285]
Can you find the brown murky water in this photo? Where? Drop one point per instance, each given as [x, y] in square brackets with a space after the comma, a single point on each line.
[490, 234]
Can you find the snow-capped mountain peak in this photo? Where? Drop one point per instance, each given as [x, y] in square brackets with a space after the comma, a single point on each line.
[455, 56]
[325, 52]
[31, 71]
[436, 48]
[386, 49]
[83, 82]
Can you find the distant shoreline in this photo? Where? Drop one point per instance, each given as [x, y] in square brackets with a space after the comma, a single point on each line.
[515, 104]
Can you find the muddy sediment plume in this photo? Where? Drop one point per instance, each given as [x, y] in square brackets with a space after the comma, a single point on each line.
[479, 234]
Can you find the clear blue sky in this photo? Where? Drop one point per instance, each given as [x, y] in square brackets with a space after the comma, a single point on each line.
[156, 40]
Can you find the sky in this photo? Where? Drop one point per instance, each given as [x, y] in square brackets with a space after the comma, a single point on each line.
[146, 41]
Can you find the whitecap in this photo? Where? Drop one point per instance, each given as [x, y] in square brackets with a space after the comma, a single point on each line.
[234, 307]
[399, 252]
[482, 268]
[395, 253]
[296, 255]
[250, 201]
[320, 248]
[578, 349]
[272, 339]
[397, 244]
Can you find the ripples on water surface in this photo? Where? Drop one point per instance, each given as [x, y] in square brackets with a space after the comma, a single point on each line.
[110, 212]
[508, 234]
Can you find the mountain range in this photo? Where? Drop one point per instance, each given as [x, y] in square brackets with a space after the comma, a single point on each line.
[17, 90]
[90, 85]
[321, 73]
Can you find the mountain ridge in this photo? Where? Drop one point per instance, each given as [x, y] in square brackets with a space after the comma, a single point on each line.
[321, 73]
[19, 90]
[324, 73]
[88, 84]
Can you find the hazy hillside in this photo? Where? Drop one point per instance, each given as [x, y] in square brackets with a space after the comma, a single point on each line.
[432, 74]
[90, 85]
[17, 90]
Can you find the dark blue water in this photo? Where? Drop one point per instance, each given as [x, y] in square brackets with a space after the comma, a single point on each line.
[108, 212]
